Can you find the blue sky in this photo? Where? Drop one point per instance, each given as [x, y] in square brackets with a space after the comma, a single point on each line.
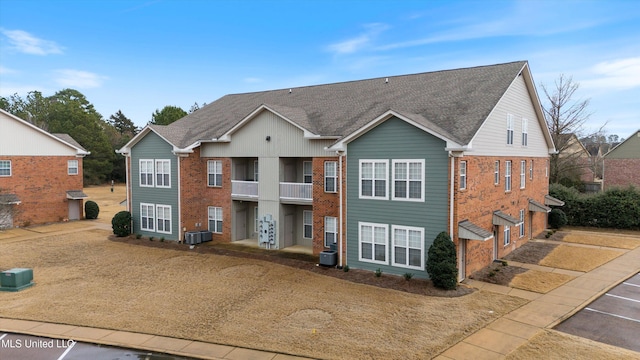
[139, 56]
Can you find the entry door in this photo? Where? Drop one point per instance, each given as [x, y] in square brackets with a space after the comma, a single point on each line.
[495, 242]
[74, 209]
[462, 259]
[6, 217]
[241, 225]
[288, 230]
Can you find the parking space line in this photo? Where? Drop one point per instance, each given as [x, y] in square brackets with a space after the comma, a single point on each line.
[67, 351]
[2, 337]
[623, 298]
[614, 315]
[630, 284]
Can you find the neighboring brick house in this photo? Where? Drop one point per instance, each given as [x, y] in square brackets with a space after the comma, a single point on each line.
[622, 164]
[40, 174]
[575, 160]
[376, 168]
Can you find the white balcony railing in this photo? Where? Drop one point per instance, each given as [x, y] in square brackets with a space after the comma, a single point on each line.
[244, 188]
[296, 191]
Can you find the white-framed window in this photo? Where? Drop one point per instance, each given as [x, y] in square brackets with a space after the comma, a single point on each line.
[507, 235]
[163, 173]
[496, 172]
[408, 180]
[214, 173]
[5, 167]
[330, 230]
[408, 247]
[463, 175]
[373, 179]
[72, 167]
[215, 219]
[255, 170]
[531, 170]
[525, 127]
[507, 175]
[163, 217]
[256, 220]
[307, 224]
[521, 226]
[147, 218]
[330, 176]
[373, 240]
[523, 173]
[146, 172]
[509, 129]
[307, 172]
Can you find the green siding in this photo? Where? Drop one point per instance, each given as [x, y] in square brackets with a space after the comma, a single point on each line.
[153, 147]
[396, 139]
[629, 149]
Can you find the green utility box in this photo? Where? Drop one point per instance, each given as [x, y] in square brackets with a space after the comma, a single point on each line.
[16, 279]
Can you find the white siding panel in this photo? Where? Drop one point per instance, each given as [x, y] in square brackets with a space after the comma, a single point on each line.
[491, 139]
[19, 139]
[286, 140]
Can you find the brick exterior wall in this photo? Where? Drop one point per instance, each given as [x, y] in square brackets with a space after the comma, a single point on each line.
[481, 198]
[41, 183]
[197, 196]
[324, 203]
[621, 173]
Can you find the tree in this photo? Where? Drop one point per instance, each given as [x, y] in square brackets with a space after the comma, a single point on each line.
[167, 115]
[441, 262]
[120, 130]
[33, 108]
[565, 117]
[123, 124]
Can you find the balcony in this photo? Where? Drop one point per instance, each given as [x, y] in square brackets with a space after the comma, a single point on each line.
[296, 193]
[244, 189]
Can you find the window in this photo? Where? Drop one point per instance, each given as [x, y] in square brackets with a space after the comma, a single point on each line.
[72, 167]
[255, 170]
[307, 224]
[531, 170]
[521, 226]
[507, 235]
[146, 217]
[507, 175]
[215, 219]
[408, 180]
[330, 176]
[163, 216]
[509, 129]
[163, 173]
[408, 246]
[373, 179]
[256, 220]
[146, 172]
[463, 175]
[330, 230]
[525, 140]
[523, 172]
[373, 241]
[307, 172]
[5, 167]
[496, 173]
[214, 173]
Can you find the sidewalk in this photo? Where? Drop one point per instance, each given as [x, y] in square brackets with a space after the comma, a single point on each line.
[543, 312]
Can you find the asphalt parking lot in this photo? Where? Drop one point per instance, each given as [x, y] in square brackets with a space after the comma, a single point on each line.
[613, 318]
[26, 347]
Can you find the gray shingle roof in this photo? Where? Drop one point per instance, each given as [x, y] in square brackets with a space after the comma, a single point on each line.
[68, 139]
[9, 199]
[453, 103]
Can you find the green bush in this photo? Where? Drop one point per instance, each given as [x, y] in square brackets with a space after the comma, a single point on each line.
[121, 224]
[91, 210]
[557, 219]
[441, 262]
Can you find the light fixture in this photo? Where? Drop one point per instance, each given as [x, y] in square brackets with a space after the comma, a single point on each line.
[268, 138]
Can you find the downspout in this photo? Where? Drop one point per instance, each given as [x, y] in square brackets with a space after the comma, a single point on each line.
[127, 160]
[451, 186]
[180, 232]
[340, 186]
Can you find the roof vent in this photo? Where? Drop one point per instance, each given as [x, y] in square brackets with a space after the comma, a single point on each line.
[386, 80]
[289, 91]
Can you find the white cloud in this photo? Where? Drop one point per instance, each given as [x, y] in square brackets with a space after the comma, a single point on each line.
[616, 74]
[26, 43]
[78, 79]
[359, 42]
[7, 71]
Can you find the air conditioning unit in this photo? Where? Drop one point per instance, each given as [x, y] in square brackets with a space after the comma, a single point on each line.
[329, 258]
[205, 235]
[192, 237]
[16, 279]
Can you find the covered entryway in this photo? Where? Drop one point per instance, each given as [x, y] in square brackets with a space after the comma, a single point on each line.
[8, 203]
[75, 199]
[468, 231]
